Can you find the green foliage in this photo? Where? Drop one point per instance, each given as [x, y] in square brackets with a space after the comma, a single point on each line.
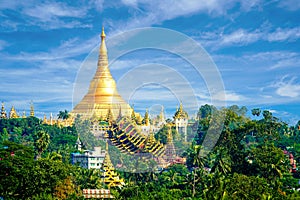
[82, 127]
[250, 187]
[63, 115]
[41, 143]
[256, 112]
[247, 162]
[268, 161]
[22, 177]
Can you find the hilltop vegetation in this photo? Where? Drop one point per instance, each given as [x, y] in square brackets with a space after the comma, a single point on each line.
[251, 160]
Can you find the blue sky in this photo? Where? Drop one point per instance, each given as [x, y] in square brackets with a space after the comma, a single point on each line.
[255, 46]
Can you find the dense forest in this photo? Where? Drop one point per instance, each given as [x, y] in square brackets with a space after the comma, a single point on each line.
[254, 157]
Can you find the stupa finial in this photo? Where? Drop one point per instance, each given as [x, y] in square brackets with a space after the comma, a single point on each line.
[103, 33]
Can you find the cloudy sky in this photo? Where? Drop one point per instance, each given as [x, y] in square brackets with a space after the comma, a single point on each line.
[46, 47]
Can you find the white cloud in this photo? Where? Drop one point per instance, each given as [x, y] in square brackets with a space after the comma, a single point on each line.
[155, 12]
[273, 111]
[291, 5]
[272, 60]
[239, 37]
[132, 3]
[98, 4]
[228, 96]
[242, 37]
[287, 62]
[3, 44]
[47, 15]
[271, 55]
[49, 11]
[67, 49]
[287, 34]
[287, 88]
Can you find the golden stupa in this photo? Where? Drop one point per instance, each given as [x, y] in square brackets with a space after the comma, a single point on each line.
[102, 96]
[110, 177]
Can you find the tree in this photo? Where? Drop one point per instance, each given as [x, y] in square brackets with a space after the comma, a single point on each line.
[41, 143]
[221, 162]
[66, 188]
[88, 178]
[267, 161]
[82, 127]
[250, 187]
[206, 111]
[4, 135]
[63, 115]
[256, 112]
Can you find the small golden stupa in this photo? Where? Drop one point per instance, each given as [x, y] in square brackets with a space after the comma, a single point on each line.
[102, 95]
[13, 113]
[3, 112]
[110, 176]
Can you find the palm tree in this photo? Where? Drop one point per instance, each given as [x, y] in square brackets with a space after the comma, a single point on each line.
[199, 159]
[42, 142]
[88, 178]
[221, 163]
[256, 112]
[63, 115]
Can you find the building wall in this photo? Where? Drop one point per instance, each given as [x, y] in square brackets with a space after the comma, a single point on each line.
[89, 159]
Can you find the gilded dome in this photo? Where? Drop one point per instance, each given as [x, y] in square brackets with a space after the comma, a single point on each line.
[180, 113]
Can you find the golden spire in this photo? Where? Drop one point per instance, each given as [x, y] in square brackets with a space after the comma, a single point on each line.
[3, 112]
[110, 177]
[103, 59]
[146, 120]
[180, 107]
[162, 115]
[107, 164]
[31, 109]
[170, 152]
[109, 115]
[102, 33]
[45, 119]
[102, 93]
[133, 117]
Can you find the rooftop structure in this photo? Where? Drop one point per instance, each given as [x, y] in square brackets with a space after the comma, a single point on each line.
[110, 176]
[89, 159]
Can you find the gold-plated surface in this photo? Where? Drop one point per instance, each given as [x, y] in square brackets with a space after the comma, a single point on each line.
[110, 176]
[102, 94]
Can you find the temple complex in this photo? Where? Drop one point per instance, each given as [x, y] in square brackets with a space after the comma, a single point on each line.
[102, 95]
[13, 114]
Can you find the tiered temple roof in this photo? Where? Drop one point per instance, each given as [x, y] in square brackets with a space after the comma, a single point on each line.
[110, 176]
[128, 139]
[170, 152]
